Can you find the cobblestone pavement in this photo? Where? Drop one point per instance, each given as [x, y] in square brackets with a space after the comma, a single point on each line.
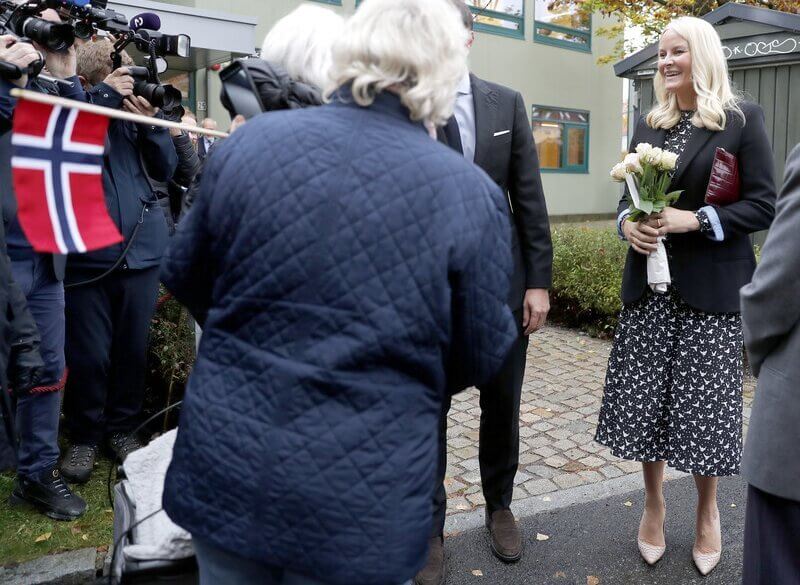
[560, 403]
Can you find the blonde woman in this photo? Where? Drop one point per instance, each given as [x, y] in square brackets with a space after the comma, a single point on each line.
[673, 391]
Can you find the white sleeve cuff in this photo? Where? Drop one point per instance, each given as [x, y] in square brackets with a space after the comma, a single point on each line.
[622, 217]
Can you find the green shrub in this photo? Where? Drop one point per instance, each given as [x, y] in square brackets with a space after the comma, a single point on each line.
[587, 276]
[170, 359]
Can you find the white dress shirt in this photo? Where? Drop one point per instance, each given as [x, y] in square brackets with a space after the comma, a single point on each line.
[465, 116]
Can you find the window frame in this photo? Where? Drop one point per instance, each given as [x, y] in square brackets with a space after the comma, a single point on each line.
[582, 169]
[332, 2]
[545, 40]
[498, 30]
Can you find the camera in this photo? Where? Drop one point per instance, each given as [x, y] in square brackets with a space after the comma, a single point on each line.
[23, 21]
[165, 97]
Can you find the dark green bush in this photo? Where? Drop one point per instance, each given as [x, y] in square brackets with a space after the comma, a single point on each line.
[587, 276]
[170, 359]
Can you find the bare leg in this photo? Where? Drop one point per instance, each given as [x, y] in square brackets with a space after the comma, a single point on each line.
[707, 535]
[651, 528]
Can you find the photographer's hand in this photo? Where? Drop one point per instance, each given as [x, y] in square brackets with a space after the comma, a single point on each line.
[138, 105]
[19, 54]
[62, 65]
[120, 81]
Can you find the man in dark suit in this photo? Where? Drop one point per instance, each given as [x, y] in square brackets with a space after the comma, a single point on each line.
[490, 127]
[204, 143]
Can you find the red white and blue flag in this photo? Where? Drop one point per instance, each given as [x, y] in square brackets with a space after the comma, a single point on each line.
[58, 165]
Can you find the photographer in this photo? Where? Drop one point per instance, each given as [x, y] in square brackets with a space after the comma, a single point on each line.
[39, 277]
[111, 293]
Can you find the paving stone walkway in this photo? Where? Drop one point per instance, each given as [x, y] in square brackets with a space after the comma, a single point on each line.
[561, 399]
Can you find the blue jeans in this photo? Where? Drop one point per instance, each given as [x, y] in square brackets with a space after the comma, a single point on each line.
[218, 566]
[38, 413]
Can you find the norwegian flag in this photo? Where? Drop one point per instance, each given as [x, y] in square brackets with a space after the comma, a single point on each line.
[58, 165]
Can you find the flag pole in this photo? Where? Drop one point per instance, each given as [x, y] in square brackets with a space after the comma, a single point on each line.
[52, 100]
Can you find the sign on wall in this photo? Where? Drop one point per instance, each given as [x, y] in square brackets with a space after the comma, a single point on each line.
[762, 46]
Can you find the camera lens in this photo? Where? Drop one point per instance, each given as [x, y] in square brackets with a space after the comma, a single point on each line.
[56, 37]
[165, 97]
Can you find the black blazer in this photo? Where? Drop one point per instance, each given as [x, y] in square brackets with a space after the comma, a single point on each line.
[709, 274]
[510, 159]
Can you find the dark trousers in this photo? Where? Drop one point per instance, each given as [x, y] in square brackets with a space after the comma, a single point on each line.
[771, 540]
[108, 325]
[498, 450]
[37, 414]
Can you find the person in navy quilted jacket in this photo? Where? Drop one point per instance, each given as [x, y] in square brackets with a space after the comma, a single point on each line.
[349, 272]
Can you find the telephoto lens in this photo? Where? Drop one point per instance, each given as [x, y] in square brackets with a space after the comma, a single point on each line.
[165, 97]
[54, 36]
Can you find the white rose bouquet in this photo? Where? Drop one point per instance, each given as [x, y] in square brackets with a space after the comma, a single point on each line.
[648, 173]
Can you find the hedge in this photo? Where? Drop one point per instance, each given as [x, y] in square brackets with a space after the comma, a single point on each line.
[587, 277]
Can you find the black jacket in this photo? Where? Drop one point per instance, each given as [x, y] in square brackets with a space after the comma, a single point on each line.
[709, 274]
[511, 161]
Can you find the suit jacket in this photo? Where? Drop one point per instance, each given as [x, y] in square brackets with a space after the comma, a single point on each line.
[771, 318]
[709, 274]
[512, 162]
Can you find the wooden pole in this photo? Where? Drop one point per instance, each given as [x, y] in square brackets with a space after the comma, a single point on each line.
[53, 100]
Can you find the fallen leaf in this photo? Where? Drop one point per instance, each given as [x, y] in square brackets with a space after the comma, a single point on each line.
[477, 573]
[43, 537]
[592, 580]
[75, 530]
[85, 537]
[540, 536]
[733, 505]
[103, 548]
[547, 499]
[560, 575]
[628, 504]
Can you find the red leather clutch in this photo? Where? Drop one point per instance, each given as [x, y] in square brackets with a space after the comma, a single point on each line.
[723, 185]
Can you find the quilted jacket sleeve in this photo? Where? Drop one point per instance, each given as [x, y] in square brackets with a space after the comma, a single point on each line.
[483, 326]
[187, 268]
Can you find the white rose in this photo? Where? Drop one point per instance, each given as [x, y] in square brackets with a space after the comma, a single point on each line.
[632, 163]
[643, 148]
[619, 172]
[668, 160]
[652, 157]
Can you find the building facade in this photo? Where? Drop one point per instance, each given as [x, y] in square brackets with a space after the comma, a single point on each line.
[548, 54]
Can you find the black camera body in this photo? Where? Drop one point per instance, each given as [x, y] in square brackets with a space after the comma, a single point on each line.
[23, 21]
[163, 96]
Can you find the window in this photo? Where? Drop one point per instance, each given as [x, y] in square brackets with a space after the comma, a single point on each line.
[562, 139]
[560, 23]
[502, 17]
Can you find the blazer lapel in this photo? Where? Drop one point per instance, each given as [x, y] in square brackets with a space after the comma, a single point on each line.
[485, 101]
[696, 142]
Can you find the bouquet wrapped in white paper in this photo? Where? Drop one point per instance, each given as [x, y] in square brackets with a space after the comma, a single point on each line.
[647, 173]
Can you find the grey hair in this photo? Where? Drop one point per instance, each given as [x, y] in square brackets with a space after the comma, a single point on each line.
[465, 13]
[301, 41]
[415, 48]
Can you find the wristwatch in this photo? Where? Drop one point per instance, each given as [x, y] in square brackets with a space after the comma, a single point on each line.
[705, 224]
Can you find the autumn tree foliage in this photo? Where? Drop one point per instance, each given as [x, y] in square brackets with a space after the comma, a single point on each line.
[651, 16]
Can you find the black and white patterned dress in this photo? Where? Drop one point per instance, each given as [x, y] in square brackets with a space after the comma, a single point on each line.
[674, 381]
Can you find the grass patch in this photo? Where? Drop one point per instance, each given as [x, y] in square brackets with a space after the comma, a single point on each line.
[20, 527]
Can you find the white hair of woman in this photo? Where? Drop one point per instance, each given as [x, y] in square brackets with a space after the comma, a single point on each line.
[709, 77]
[301, 41]
[415, 48]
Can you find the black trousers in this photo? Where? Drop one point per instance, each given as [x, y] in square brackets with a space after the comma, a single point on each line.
[498, 450]
[108, 325]
[771, 540]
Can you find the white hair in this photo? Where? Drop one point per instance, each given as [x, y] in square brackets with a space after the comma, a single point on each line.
[415, 48]
[709, 75]
[301, 41]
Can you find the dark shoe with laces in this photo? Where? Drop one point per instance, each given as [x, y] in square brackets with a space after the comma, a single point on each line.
[506, 541]
[123, 444]
[433, 573]
[50, 495]
[78, 463]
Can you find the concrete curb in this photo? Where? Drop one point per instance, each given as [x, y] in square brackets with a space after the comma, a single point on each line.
[457, 523]
[70, 568]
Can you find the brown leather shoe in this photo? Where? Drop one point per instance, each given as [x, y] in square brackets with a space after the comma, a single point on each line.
[433, 572]
[506, 540]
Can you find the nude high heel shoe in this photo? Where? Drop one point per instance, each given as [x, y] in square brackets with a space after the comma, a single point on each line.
[650, 552]
[706, 562]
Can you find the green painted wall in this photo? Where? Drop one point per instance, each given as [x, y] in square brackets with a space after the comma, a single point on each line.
[545, 75]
